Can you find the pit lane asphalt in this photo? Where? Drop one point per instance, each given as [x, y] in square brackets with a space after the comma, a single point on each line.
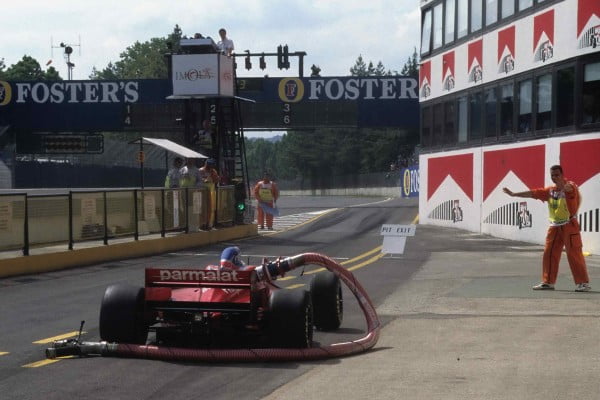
[41, 306]
[461, 322]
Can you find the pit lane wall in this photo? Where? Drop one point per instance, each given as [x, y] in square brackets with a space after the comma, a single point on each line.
[463, 188]
[398, 182]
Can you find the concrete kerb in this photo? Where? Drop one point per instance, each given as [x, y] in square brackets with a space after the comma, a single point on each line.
[52, 261]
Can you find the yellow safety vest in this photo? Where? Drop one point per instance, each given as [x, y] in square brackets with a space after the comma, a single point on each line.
[265, 193]
[557, 208]
[188, 178]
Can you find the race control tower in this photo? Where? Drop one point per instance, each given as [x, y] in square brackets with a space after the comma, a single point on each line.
[204, 80]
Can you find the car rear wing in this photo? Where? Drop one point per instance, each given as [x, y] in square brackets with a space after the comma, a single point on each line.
[179, 278]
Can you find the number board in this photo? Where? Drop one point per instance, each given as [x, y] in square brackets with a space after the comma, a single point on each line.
[89, 143]
[306, 115]
[153, 117]
[249, 84]
[271, 115]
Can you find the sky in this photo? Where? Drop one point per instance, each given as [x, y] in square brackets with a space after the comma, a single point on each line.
[333, 33]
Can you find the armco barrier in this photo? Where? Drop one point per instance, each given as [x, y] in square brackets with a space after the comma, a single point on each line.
[97, 253]
[74, 217]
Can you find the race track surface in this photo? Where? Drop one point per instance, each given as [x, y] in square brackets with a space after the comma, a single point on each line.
[37, 308]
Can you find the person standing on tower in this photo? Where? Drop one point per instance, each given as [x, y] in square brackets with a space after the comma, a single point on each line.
[225, 44]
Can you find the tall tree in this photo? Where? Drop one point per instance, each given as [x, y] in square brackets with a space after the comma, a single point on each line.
[411, 67]
[108, 73]
[379, 69]
[52, 74]
[359, 68]
[370, 69]
[260, 155]
[174, 37]
[142, 60]
[28, 69]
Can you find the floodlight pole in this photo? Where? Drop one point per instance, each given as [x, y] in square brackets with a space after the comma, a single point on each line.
[70, 66]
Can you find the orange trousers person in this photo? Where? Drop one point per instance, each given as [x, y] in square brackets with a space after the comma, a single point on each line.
[569, 237]
[211, 191]
[267, 193]
[261, 215]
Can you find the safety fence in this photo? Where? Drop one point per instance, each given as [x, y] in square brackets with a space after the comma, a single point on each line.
[402, 182]
[28, 220]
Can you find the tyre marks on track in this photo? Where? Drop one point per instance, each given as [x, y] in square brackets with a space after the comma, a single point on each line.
[288, 222]
[377, 255]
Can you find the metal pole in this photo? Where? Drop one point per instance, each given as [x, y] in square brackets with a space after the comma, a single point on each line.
[187, 120]
[26, 228]
[187, 210]
[70, 220]
[301, 65]
[162, 207]
[105, 221]
[141, 155]
[136, 233]
[166, 161]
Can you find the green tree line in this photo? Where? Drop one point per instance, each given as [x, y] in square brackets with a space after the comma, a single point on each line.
[27, 69]
[321, 153]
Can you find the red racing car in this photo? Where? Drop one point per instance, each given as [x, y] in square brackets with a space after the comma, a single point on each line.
[230, 305]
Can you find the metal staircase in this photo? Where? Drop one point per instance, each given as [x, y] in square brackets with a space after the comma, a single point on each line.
[230, 139]
[231, 148]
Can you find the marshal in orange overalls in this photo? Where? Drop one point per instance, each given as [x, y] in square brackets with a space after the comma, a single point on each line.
[564, 231]
[265, 192]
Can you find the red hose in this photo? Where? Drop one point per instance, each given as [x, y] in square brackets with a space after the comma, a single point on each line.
[271, 354]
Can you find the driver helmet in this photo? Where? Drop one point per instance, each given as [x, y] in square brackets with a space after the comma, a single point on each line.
[211, 162]
[230, 258]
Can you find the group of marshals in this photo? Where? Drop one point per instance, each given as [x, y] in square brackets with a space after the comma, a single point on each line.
[193, 177]
[265, 191]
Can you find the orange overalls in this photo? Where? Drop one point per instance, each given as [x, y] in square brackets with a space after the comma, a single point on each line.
[265, 191]
[564, 232]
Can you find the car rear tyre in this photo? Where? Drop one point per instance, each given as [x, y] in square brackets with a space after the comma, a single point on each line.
[122, 315]
[327, 300]
[291, 318]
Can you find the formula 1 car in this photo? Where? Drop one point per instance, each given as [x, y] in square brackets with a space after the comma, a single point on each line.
[230, 305]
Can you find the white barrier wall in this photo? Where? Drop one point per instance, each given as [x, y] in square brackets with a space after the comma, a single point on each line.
[463, 188]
